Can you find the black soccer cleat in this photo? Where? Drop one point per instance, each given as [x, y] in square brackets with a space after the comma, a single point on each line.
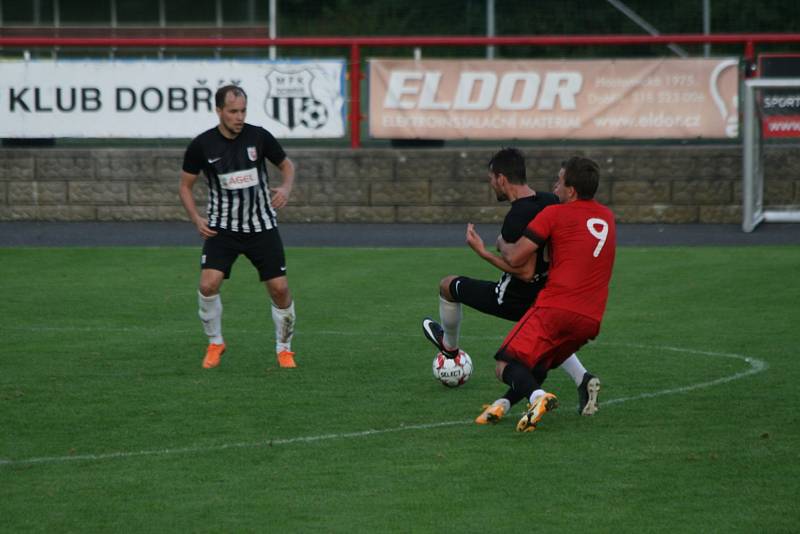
[587, 395]
[435, 334]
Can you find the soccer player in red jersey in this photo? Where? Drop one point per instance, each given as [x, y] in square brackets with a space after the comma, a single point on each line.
[580, 235]
[515, 292]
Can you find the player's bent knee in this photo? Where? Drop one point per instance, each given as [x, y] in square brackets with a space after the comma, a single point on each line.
[210, 282]
[208, 289]
[279, 292]
[499, 367]
[444, 287]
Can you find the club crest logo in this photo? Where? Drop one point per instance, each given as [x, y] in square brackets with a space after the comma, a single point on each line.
[293, 99]
[252, 153]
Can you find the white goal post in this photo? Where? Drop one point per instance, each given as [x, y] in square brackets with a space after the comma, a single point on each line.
[753, 212]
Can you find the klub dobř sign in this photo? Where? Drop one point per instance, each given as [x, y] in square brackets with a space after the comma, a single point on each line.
[162, 99]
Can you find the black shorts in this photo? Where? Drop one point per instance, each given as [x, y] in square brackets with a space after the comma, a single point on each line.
[263, 249]
[494, 298]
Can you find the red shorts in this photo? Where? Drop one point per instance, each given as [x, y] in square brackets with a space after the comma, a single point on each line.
[545, 337]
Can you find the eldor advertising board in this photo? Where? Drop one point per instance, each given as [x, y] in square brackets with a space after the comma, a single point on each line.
[42, 99]
[597, 99]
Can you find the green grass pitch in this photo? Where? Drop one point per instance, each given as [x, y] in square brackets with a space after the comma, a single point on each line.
[109, 424]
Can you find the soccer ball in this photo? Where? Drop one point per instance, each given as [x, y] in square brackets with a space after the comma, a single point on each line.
[314, 115]
[452, 372]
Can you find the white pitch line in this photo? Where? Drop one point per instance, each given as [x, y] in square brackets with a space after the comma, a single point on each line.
[243, 445]
[228, 331]
[756, 366]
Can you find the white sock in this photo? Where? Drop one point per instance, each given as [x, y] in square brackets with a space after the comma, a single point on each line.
[535, 395]
[505, 403]
[450, 315]
[574, 368]
[210, 314]
[284, 327]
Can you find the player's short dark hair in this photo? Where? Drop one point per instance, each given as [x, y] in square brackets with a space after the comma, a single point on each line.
[511, 163]
[222, 94]
[583, 174]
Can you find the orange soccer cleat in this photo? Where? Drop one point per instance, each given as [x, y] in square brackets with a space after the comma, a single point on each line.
[492, 413]
[213, 354]
[546, 403]
[286, 359]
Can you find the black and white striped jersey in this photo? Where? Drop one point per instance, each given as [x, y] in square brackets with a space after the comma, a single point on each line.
[236, 173]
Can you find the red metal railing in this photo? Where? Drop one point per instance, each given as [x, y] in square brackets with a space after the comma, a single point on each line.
[354, 44]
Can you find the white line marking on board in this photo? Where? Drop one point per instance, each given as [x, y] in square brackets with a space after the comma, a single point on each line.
[756, 366]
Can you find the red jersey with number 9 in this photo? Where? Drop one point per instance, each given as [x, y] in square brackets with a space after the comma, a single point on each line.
[582, 238]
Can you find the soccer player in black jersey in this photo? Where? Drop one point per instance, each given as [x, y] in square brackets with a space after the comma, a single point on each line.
[516, 291]
[240, 216]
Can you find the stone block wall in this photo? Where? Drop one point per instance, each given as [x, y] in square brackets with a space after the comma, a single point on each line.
[642, 184]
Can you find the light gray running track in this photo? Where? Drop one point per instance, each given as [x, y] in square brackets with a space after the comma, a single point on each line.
[90, 234]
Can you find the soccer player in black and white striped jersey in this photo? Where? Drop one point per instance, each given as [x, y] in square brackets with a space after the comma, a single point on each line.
[240, 217]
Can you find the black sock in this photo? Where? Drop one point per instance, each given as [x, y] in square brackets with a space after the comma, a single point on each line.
[512, 396]
[520, 381]
[539, 374]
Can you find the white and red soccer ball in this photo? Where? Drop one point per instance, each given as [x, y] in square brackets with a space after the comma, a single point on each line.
[452, 372]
